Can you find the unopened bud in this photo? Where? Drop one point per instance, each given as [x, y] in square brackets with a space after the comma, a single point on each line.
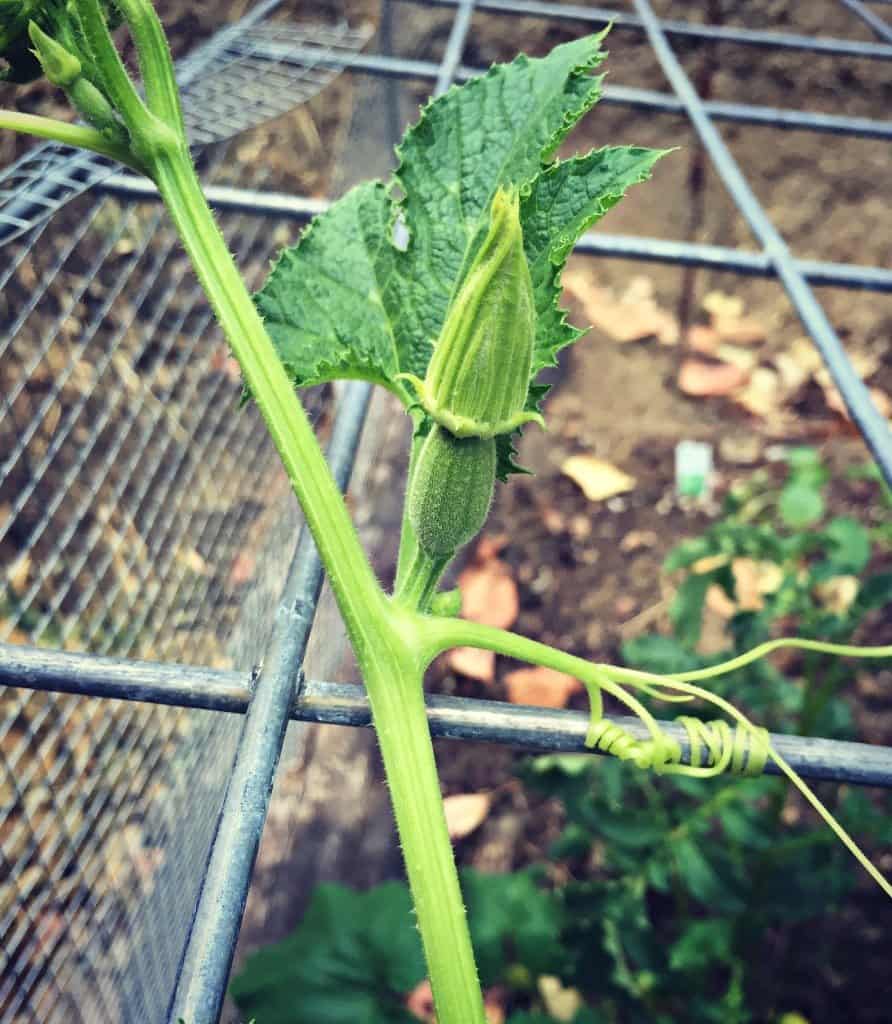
[60, 67]
[479, 375]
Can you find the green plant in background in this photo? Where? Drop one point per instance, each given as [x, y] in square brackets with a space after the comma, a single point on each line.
[491, 217]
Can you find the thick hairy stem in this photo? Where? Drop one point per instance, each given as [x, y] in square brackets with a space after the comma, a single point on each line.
[356, 590]
[388, 656]
[398, 709]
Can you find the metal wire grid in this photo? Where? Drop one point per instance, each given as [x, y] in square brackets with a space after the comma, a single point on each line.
[205, 965]
[128, 483]
[228, 86]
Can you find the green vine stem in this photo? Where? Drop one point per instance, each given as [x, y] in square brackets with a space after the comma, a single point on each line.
[71, 135]
[387, 656]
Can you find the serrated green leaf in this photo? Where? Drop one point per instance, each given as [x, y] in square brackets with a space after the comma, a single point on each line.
[327, 303]
[347, 302]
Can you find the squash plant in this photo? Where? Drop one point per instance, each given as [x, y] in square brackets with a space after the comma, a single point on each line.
[457, 323]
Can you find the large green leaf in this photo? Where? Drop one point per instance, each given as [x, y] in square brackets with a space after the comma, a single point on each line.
[352, 958]
[347, 301]
[355, 955]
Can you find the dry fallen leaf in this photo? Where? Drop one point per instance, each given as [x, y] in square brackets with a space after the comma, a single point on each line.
[541, 687]
[465, 812]
[420, 1002]
[703, 339]
[837, 594]
[702, 379]
[739, 330]
[635, 540]
[473, 663]
[561, 1003]
[489, 594]
[632, 317]
[763, 395]
[597, 478]
[720, 304]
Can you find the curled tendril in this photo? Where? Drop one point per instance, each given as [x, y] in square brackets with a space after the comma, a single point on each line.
[714, 747]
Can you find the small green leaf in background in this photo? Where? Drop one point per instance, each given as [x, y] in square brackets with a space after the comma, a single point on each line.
[686, 611]
[702, 944]
[850, 545]
[800, 505]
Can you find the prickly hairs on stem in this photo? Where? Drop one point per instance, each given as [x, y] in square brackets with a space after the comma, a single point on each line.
[478, 378]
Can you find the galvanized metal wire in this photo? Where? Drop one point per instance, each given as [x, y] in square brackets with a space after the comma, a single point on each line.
[128, 488]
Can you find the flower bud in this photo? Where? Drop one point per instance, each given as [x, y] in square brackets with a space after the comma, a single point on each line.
[60, 67]
[479, 375]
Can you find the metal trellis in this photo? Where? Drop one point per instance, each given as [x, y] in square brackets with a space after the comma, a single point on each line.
[246, 74]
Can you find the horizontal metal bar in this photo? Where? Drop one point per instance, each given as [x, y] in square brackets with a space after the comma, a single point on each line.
[714, 33]
[654, 250]
[404, 67]
[536, 729]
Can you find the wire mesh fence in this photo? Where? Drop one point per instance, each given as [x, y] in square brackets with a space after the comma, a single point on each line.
[129, 492]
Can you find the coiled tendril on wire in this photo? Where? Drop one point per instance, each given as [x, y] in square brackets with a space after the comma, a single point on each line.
[713, 748]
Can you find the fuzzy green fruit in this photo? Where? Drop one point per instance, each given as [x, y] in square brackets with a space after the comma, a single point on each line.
[451, 491]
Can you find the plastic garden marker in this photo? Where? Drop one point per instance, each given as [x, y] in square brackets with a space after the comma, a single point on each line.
[479, 280]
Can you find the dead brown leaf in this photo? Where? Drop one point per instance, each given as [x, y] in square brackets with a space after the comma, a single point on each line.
[837, 594]
[420, 1002]
[489, 594]
[739, 330]
[635, 540]
[763, 395]
[473, 663]
[465, 812]
[597, 478]
[561, 1003]
[701, 379]
[720, 304]
[703, 339]
[541, 687]
[634, 316]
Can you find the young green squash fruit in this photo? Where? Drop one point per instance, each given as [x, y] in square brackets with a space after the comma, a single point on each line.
[451, 490]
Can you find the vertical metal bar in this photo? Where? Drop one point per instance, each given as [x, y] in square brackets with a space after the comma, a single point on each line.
[455, 46]
[879, 25]
[201, 984]
[873, 426]
[391, 87]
